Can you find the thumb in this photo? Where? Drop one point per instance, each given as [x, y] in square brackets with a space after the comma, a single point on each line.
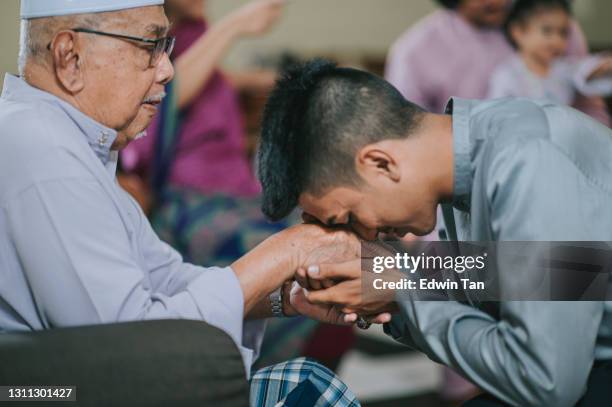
[339, 271]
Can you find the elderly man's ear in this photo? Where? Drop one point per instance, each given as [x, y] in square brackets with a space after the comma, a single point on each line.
[67, 61]
[376, 160]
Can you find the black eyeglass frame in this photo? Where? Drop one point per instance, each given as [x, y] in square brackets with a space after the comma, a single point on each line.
[161, 46]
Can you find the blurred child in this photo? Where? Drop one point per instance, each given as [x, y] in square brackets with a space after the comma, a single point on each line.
[538, 30]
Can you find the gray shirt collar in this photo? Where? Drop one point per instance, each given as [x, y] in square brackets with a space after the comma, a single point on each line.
[462, 184]
[99, 137]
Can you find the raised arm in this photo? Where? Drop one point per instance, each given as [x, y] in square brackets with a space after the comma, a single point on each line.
[195, 67]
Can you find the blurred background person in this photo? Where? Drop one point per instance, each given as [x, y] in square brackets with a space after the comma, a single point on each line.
[204, 198]
[538, 30]
[454, 51]
[195, 158]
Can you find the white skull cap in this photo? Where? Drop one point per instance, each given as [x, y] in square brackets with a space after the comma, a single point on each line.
[49, 8]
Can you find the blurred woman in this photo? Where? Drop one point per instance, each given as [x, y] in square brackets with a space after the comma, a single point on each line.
[205, 195]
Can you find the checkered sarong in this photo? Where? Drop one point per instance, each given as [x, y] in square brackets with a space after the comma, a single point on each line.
[299, 382]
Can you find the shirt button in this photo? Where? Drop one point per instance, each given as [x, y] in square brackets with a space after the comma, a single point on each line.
[103, 139]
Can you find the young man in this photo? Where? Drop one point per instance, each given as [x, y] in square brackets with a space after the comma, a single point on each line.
[349, 149]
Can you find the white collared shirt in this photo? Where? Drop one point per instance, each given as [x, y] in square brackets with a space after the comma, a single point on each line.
[75, 249]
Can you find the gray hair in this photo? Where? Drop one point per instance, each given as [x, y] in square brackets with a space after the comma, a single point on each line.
[37, 33]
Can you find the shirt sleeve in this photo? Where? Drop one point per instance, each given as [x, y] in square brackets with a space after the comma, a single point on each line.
[536, 353]
[580, 72]
[171, 275]
[84, 263]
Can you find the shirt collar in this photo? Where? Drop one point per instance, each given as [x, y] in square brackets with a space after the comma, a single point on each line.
[462, 184]
[99, 137]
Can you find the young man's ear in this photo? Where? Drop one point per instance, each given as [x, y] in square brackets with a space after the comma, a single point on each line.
[66, 59]
[375, 161]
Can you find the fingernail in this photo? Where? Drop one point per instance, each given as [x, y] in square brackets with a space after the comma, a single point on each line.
[313, 270]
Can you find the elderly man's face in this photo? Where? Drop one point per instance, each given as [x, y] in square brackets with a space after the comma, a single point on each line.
[119, 82]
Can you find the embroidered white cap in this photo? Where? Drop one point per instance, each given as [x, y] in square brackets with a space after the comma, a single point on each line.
[49, 8]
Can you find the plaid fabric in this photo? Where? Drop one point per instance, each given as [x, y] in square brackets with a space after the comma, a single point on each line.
[285, 339]
[299, 382]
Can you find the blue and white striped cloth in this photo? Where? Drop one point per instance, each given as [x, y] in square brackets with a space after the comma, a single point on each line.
[299, 382]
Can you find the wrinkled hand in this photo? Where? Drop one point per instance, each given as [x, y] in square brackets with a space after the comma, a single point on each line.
[327, 313]
[330, 246]
[337, 251]
[341, 285]
[258, 17]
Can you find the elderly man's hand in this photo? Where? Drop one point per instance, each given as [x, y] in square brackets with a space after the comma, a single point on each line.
[338, 251]
[341, 285]
[276, 259]
[319, 245]
[298, 304]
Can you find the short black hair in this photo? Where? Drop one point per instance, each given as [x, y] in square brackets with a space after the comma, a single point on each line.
[317, 117]
[522, 10]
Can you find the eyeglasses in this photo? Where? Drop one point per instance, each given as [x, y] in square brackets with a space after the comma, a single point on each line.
[158, 47]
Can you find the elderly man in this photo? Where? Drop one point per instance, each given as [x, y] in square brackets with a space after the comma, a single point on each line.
[349, 149]
[75, 249]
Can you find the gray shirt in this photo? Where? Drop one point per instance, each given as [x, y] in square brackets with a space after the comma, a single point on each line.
[525, 170]
[75, 249]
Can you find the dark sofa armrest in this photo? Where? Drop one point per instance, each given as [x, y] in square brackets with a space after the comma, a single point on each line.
[151, 363]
